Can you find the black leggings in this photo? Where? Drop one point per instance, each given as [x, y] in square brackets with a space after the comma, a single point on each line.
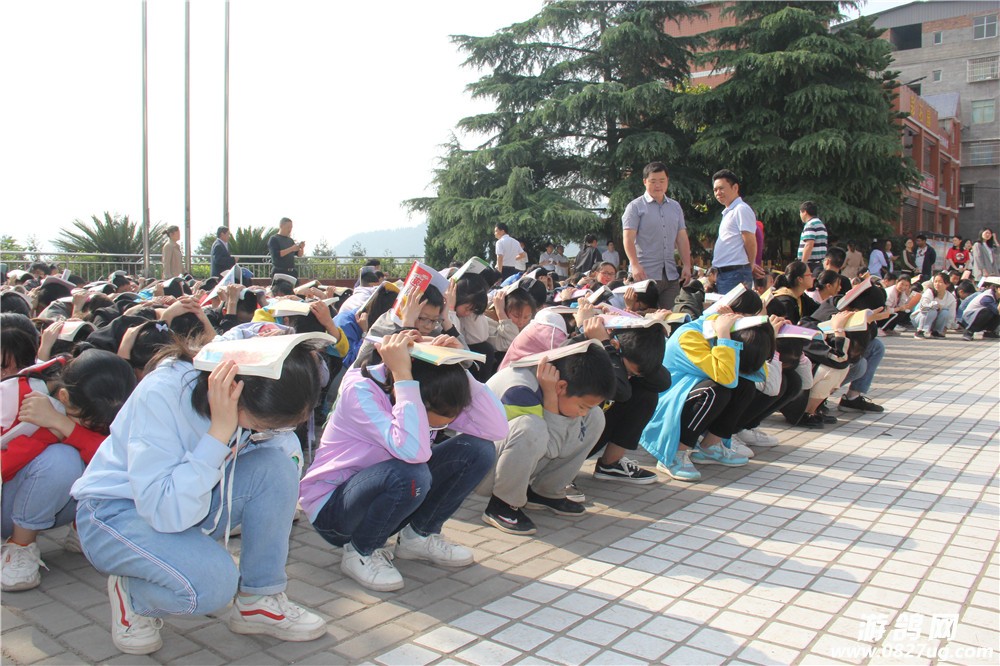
[984, 321]
[715, 409]
[483, 371]
[897, 319]
[625, 421]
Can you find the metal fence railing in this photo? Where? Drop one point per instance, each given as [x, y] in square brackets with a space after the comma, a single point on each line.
[98, 266]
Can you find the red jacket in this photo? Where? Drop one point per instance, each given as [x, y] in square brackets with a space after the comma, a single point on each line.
[22, 450]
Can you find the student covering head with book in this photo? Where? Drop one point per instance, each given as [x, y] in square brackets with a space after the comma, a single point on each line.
[55, 416]
[376, 473]
[555, 419]
[164, 487]
[706, 359]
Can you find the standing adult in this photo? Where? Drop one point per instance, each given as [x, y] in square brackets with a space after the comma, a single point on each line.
[878, 261]
[284, 250]
[589, 256]
[652, 229]
[508, 248]
[957, 256]
[222, 260]
[985, 256]
[736, 245]
[547, 259]
[925, 258]
[562, 263]
[855, 261]
[812, 240]
[611, 255]
[172, 252]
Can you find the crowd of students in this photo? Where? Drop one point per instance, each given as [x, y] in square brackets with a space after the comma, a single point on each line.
[108, 426]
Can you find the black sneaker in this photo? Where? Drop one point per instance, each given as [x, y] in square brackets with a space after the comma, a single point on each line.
[506, 518]
[967, 336]
[860, 404]
[919, 334]
[624, 470]
[935, 334]
[560, 505]
[992, 335]
[812, 421]
[824, 413]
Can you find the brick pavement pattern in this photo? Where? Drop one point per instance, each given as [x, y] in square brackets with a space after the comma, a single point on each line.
[871, 542]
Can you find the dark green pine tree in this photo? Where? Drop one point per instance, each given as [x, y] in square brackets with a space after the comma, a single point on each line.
[806, 115]
[583, 94]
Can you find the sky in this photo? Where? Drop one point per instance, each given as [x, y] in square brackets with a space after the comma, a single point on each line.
[337, 110]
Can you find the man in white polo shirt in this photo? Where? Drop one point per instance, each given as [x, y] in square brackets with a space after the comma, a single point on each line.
[508, 251]
[736, 246]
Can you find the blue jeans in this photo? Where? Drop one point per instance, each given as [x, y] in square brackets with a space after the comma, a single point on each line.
[862, 372]
[190, 572]
[727, 280]
[382, 499]
[37, 498]
[933, 320]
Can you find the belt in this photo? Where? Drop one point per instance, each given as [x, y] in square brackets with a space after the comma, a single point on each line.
[726, 269]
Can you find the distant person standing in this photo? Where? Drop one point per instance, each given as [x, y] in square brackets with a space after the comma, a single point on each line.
[508, 249]
[222, 260]
[589, 256]
[812, 240]
[736, 246]
[562, 263]
[926, 256]
[611, 255]
[855, 261]
[653, 229]
[547, 259]
[172, 252]
[284, 250]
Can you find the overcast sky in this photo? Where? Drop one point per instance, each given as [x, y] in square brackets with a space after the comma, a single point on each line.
[337, 109]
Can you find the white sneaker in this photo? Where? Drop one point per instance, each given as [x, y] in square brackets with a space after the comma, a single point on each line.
[375, 571]
[71, 542]
[20, 567]
[132, 633]
[756, 437]
[275, 615]
[740, 449]
[574, 493]
[433, 547]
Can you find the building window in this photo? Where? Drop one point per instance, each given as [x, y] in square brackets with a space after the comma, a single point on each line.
[915, 87]
[938, 38]
[984, 111]
[984, 27]
[906, 37]
[936, 76]
[983, 69]
[981, 153]
[967, 196]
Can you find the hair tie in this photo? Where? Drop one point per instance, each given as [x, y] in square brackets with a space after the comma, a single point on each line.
[163, 328]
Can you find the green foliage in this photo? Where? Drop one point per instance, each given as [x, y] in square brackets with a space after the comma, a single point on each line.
[583, 97]
[249, 241]
[806, 115]
[205, 244]
[114, 235]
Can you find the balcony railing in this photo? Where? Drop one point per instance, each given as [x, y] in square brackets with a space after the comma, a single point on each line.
[92, 267]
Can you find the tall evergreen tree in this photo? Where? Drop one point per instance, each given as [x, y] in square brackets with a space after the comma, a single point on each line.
[806, 115]
[583, 94]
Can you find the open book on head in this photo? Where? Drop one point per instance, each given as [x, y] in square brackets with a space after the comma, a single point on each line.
[726, 299]
[555, 354]
[640, 287]
[227, 279]
[743, 323]
[799, 332]
[417, 280]
[290, 307]
[475, 266]
[619, 322]
[436, 354]
[258, 356]
[858, 322]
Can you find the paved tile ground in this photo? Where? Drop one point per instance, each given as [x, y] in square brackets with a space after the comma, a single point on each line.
[873, 542]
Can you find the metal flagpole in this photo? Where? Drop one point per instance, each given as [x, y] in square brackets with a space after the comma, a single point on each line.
[145, 156]
[187, 136]
[225, 130]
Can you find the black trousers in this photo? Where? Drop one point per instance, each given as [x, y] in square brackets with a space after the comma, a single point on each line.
[896, 319]
[483, 371]
[715, 409]
[625, 421]
[762, 406]
[984, 321]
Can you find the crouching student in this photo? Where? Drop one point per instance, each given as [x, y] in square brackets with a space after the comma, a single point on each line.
[555, 420]
[978, 312]
[789, 374]
[712, 383]
[377, 474]
[41, 464]
[165, 486]
[513, 311]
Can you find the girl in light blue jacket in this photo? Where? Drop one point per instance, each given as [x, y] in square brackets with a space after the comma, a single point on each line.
[163, 488]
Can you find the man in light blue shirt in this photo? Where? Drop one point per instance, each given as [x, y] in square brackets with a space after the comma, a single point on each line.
[736, 245]
[652, 228]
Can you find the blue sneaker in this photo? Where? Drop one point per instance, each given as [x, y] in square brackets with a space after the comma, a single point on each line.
[681, 469]
[717, 454]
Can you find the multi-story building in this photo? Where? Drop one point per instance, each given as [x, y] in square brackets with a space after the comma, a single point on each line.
[949, 53]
